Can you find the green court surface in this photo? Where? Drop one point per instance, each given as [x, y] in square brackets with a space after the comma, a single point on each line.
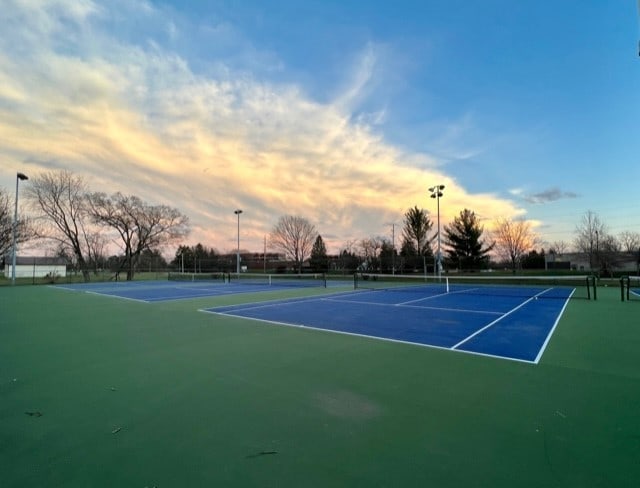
[98, 391]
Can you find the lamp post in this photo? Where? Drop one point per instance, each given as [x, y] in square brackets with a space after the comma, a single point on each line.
[598, 250]
[19, 176]
[436, 192]
[238, 212]
[393, 247]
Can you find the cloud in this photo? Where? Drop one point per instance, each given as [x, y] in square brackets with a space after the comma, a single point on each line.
[550, 195]
[136, 117]
[361, 75]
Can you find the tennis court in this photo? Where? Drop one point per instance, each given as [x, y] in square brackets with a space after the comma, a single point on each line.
[103, 392]
[193, 285]
[506, 321]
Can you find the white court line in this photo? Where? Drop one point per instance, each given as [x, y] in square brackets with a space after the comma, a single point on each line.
[376, 338]
[115, 296]
[499, 319]
[276, 301]
[150, 299]
[544, 345]
[462, 310]
[265, 304]
[184, 297]
[438, 295]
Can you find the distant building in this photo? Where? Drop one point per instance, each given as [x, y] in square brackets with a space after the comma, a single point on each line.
[36, 267]
[603, 262]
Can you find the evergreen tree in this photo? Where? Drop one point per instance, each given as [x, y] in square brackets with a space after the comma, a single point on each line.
[408, 248]
[348, 261]
[196, 258]
[319, 260]
[464, 247]
[534, 260]
[388, 255]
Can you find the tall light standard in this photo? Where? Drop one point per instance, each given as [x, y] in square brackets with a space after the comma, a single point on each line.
[436, 192]
[393, 247]
[19, 176]
[238, 212]
[597, 250]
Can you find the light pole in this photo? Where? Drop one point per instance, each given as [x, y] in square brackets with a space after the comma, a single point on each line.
[598, 250]
[436, 192]
[19, 176]
[238, 212]
[393, 247]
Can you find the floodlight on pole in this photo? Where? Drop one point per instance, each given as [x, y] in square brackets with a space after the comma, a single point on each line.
[436, 192]
[238, 212]
[597, 250]
[393, 247]
[19, 176]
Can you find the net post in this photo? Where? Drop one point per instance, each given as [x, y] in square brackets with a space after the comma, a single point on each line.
[628, 288]
[595, 287]
[588, 279]
[447, 283]
[622, 288]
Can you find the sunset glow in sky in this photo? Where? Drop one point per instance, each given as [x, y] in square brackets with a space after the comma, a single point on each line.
[341, 112]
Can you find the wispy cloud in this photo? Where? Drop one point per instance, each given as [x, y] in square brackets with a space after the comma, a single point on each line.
[361, 75]
[133, 115]
[550, 195]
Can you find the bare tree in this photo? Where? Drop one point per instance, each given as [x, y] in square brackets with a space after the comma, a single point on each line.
[416, 229]
[630, 241]
[369, 249]
[513, 239]
[96, 245]
[294, 236]
[558, 247]
[589, 233]
[140, 226]
[6, 224]
[349, 261]
[25, 230]
[349, 246]
[59, 196]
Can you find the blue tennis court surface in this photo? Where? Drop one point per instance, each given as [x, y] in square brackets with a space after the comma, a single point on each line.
[160, 291]
[511, 327]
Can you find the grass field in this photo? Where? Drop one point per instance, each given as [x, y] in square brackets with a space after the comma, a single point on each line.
[98, 391]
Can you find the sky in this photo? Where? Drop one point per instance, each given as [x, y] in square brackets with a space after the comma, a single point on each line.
[341, 112]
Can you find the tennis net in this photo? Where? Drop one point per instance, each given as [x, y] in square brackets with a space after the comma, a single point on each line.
[560, 287]
[280, 279]
[630, 287]
[200, 277]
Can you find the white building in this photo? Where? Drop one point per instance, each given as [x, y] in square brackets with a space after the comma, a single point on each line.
[36, 267]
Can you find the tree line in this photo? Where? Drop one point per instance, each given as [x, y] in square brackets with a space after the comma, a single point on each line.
[466, 246]
[80, 222]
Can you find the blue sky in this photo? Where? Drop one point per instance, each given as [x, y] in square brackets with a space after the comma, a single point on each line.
[341, 112]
